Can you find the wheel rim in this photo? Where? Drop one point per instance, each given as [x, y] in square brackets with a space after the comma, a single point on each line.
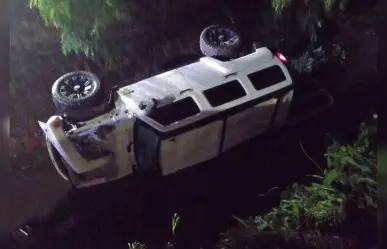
[221, 36]
[78, 86]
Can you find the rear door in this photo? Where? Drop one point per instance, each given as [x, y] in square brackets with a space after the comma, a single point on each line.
[255, 117]
[191, 147]
[248, 123]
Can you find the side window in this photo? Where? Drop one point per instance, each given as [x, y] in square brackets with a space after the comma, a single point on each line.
[175, 111]
[224, 93]
[266, 77]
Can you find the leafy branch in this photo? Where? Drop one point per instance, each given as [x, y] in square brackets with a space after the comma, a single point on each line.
[82, 23]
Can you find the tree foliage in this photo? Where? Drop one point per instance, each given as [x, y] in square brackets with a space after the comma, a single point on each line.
[82, 23]
[308, 15]
[313, 59]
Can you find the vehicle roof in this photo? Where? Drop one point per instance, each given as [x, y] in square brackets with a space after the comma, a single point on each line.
[192, 80]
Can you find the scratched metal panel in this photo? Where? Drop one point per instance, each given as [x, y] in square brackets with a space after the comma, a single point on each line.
[165, 88]
[190, 148]
[248, 123]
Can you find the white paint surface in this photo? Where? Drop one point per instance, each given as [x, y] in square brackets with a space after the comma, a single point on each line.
[190, 148]
[284, 104]
[194, 146]
[248, 123]
[199, 76]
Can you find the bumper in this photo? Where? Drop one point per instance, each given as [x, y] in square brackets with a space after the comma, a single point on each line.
[67, 149]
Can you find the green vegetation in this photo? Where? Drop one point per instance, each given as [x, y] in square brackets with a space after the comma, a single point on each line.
[279, 6]
[100, 28]
[309, 214]
[308, 16]
[313, 59]
[168, 245]
[82, 23]
[316, 214]
[175, 223]
[136, 245]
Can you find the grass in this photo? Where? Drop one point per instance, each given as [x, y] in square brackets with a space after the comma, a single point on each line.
[314, 215]
[343, 192]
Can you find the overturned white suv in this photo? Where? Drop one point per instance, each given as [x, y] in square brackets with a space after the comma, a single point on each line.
[165, 123]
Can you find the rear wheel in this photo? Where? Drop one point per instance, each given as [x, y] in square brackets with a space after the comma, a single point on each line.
[219, 41]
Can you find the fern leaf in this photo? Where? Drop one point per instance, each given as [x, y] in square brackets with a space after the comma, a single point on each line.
[330, 177]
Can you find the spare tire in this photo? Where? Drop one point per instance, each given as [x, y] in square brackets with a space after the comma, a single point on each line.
[219, 41]
[75, 94]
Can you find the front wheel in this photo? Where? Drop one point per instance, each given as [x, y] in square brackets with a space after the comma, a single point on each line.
[76, 94]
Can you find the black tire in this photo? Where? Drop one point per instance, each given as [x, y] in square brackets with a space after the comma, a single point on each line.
[79, 109]
[228, 50]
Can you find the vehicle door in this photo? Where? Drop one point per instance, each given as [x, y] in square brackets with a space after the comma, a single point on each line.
[254, 117]
[196, 141]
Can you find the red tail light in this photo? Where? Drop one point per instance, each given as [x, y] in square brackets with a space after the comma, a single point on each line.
[281, 57]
